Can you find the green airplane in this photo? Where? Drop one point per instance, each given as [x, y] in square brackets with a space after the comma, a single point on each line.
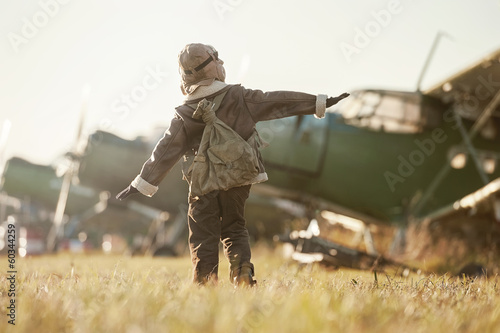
[40, 183]
[380, 156]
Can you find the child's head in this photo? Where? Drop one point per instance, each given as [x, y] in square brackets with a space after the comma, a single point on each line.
[199, 65]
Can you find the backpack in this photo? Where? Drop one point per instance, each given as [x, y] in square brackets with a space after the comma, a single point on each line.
[224, 159]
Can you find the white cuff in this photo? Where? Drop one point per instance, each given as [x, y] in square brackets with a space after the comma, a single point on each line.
[144, 187]
[320, 106]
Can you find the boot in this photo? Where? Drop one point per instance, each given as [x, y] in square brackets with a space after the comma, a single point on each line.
[243, 276]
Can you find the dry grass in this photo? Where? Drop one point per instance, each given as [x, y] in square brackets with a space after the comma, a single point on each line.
[66, 293]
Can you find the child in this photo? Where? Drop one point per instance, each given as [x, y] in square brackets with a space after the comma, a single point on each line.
[218, 215]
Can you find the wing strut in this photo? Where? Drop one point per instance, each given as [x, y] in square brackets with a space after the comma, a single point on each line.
[478, 124]
[467, 139]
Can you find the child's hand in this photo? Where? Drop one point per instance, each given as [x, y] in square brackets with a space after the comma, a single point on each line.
[126, 192]
[334, 100]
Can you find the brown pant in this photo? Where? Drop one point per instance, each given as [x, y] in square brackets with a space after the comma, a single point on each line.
[214, 217]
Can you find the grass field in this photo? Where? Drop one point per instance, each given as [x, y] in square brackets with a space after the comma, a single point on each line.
[83, 293]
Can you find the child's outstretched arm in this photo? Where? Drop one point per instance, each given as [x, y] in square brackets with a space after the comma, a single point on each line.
[264, 106]
[166, 154]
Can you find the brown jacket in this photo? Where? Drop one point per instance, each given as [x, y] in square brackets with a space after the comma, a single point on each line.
[241, 109]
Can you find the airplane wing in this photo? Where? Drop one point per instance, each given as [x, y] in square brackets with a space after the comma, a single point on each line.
[486, 198]
[474, 93]
[473, 88]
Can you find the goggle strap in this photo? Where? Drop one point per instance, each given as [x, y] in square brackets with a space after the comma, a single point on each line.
[198, 68]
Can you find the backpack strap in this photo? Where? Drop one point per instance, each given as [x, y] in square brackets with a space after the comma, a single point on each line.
[218, 100]
[215, 104]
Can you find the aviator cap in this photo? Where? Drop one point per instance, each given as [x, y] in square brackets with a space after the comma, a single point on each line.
[199, 65]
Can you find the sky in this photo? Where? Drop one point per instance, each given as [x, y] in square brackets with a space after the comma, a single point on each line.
[119, 57]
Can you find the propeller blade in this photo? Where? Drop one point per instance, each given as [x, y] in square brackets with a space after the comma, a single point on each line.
[83, 113]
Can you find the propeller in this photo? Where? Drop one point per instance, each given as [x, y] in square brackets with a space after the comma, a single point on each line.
[69, 175]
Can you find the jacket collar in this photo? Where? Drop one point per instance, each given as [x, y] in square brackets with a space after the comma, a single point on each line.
[204, 91]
